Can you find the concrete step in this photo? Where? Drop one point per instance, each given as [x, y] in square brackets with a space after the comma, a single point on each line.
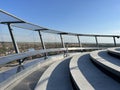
[86, 76]
[56, 77]
[70, 73]
[110, 65]
[109, 58]
[77, 77]
[114, 51]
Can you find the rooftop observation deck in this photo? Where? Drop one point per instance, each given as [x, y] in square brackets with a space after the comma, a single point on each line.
[64, 63]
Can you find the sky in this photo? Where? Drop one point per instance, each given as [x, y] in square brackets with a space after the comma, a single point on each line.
[77, 16]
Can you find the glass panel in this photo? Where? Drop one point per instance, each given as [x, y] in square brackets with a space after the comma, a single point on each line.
[6, 45]
[27, 39]
[7, 18]
[105, 41]
[26, 26]
[72, 41]
[88, 41]
[51, 40]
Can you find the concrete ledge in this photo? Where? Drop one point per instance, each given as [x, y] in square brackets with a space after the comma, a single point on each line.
[114, 51]
[106, 65]
[77, 76]
[43, 82]
[15, 79]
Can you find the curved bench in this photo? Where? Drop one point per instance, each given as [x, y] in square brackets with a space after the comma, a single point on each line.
[55, 76]
[78, 78]
[112, 69]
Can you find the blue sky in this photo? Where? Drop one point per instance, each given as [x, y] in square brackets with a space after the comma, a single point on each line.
[78, 16]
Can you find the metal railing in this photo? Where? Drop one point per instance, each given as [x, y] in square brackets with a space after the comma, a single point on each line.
[12, 21]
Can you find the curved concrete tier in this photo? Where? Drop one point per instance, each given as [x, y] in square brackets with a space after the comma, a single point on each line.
[108, 57]
[56, 77]
[78, 78]
[106, 62]
[114, 51]
[14, 80]
[87, 77]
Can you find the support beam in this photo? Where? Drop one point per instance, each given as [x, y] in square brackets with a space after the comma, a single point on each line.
[62, 42]
[80, 45]
[96, 41]
[43, 45]
[12, 22]
[13, 39]
[14, 43]
[114, 42]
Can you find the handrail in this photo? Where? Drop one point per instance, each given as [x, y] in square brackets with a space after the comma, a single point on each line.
[14, 57]
[9, 58]
[76, 74]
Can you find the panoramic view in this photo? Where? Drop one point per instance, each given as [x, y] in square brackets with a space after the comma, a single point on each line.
[60, 45]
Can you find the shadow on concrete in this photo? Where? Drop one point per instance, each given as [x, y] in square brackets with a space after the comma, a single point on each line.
[60, 78]
[96, 77]
[20, 68]
[107, 57]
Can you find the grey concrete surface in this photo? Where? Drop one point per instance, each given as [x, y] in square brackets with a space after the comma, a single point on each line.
[106, 56]
[95, 77]
[118, 48]
[11, 82]
[60, 78]
[56, 77]
[114, 51]
[77, 76]
[107, 65]
[4, 75]
[30, 82]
